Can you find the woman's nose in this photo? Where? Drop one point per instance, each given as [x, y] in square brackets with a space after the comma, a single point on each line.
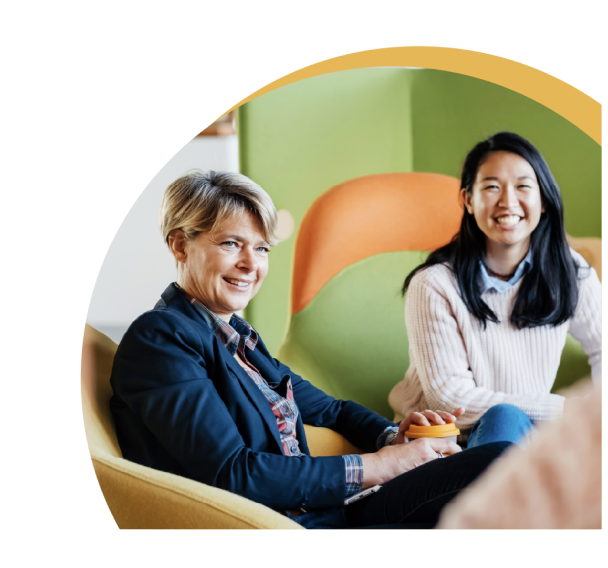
[508, 197]
[247, 260]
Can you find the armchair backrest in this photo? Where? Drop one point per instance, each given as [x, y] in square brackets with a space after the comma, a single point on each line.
[144, 498]
[368, 216]
[355, 246]
[98, 352]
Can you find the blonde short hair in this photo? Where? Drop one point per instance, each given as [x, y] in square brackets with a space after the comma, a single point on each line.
[200, 201]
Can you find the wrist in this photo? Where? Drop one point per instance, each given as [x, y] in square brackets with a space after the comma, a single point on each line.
[380, 467]
[372, 470]
[391, 439]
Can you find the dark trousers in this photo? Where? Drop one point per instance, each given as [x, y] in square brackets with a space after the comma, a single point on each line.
[436, 484]
[418, 496]
[413, 499]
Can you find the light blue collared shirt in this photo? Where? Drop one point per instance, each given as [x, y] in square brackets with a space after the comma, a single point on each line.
[487, 282]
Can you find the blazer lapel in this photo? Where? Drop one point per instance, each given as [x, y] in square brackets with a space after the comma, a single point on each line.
[174, 299]
[257, 398]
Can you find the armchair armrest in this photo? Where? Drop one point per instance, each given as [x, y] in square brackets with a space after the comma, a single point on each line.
[326, 442]
[143, 498]
[590, 248]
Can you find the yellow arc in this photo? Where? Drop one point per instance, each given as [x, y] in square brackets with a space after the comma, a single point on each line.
[574, 105]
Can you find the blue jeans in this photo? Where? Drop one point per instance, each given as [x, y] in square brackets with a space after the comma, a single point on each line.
[501, 423]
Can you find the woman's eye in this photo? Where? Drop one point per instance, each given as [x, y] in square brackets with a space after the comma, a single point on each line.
[230, 244]
[492, 187]
[263, 250]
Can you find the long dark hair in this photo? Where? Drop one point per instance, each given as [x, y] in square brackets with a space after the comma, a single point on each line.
[549, 290]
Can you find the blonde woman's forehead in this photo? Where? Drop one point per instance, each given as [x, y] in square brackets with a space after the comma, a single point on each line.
[202, 202]
[243, 226]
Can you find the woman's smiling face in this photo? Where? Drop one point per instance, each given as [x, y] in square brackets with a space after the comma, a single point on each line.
[505, 200]
[226, 268]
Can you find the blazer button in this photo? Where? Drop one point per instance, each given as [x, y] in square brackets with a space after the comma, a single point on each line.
[293, 449]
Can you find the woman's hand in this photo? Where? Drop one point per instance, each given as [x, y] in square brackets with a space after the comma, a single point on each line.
[391, 461]
[426, 418]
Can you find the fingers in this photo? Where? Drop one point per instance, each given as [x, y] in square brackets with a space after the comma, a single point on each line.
[443, 446]
[433, 417]
[451, 417]
[419, 418]
[447, 417]
[458, 412]
[405, 424]
[429, 418]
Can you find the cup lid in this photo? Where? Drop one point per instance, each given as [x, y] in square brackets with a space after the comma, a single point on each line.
[435, 431]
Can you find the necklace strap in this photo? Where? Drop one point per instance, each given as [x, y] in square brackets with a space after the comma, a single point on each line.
[498, 275]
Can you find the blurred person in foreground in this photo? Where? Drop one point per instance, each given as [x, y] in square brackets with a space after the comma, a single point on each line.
[197, 394]
[555, 483]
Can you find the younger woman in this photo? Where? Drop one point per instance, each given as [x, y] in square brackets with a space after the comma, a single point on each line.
[487, 314]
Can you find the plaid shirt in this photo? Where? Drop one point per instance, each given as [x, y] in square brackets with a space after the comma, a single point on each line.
[238, 335]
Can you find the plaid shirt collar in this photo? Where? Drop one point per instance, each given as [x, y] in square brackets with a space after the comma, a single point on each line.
[228, 333]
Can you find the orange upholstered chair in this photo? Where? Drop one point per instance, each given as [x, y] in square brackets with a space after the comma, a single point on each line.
[354, 248]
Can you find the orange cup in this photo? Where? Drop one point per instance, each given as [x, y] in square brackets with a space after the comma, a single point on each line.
[448, 431]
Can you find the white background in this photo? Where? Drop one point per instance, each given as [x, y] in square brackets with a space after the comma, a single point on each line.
[138, 263]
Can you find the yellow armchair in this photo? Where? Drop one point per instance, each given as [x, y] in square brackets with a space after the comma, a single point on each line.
[590, 248]
[143, 498]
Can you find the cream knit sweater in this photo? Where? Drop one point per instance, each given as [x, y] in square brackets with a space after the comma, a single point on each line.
[455, 362]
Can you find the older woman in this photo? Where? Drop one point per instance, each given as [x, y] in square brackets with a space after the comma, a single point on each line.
[196, 392]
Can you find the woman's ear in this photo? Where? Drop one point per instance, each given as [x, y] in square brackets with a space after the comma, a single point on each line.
[465, 200]
[177, 244]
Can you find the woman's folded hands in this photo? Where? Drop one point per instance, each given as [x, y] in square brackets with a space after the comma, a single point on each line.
[391, 461]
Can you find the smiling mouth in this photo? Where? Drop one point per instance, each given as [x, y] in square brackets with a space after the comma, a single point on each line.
[508, 220]
[239, 283]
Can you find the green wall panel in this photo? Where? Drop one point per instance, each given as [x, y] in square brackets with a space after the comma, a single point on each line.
[301, 139]
[351, 341]
[452, 112]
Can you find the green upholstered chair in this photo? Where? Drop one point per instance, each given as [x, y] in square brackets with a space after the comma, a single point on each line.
[355, 246]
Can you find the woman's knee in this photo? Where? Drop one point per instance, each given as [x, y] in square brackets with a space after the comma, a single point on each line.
[506, 411]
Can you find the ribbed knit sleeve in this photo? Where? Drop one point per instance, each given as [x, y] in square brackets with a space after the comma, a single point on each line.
[455, 362]
[437, 348]
[586, 325]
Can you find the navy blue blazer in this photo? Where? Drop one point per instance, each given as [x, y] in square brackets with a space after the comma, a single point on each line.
[183, 404]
